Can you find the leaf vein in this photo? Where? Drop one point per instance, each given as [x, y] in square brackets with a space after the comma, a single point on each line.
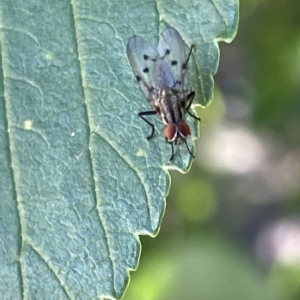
[87, 111]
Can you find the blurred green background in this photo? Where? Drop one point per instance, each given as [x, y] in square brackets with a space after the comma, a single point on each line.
[232, 228]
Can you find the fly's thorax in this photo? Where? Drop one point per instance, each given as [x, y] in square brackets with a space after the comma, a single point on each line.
[177, 133]
[170, 106]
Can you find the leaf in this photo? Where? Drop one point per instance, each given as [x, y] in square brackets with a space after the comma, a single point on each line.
[78, 180]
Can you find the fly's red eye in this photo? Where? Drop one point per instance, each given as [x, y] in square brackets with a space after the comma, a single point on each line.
[184, 128]
[170, 131]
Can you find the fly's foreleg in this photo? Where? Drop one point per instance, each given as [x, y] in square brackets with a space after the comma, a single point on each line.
[172, 145]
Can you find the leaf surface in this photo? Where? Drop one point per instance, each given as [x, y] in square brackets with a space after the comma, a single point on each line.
[79, 182]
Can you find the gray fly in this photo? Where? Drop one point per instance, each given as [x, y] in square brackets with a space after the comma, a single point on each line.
[163, 77]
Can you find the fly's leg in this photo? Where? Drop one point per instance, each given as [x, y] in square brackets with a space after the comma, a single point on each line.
[173, 154]
[189, 54]
[187, 147]
[191, 95]
[190, 99]
[172, 145]
[148, 113]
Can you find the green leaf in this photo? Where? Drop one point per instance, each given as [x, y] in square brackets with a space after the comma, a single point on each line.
[78, 180]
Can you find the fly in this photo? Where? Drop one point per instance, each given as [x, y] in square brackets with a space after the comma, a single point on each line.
[162, 77]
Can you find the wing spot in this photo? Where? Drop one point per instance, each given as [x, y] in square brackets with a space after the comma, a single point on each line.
[174, 62]
[184, 66]
[178, 82]
[138, 78]
[145, 57]
[168, 52]
[146, 70]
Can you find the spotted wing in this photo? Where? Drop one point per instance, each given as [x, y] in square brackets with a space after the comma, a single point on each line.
[142, 58]
[151, 71]
[171, 49]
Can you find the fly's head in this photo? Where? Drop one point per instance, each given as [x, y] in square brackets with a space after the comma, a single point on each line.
[177, 133]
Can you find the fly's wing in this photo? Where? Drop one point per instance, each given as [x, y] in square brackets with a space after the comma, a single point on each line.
[142, 58]
[164, 78]
[171, 49]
